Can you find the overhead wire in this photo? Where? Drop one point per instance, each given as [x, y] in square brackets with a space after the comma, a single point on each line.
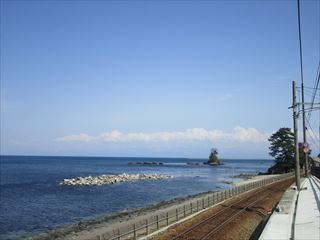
[300, 46]
[315, 90]
[313, 136]
[312, 92]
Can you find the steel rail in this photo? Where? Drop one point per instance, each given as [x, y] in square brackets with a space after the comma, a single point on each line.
[231, 217]
[215, 214]
[221, 225]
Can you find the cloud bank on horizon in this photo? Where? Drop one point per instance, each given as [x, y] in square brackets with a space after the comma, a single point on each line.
[239, 134]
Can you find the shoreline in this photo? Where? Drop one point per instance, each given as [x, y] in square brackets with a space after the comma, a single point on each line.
[90, 228]
[73, 230]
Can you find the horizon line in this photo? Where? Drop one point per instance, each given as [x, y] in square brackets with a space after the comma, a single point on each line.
[86, 156]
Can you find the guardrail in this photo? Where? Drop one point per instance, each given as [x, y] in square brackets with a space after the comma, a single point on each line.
[165, 218]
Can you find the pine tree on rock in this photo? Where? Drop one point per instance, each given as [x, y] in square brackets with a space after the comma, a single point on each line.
[213, 158]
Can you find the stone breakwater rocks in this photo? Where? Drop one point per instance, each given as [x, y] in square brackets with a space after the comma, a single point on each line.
[111, 179]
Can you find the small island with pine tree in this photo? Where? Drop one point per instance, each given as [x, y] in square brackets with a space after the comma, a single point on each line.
[212, 161]
[213, 158]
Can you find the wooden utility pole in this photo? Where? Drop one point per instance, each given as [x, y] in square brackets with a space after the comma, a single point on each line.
[295, 130]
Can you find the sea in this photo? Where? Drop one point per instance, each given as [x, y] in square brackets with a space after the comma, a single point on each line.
[32, 201]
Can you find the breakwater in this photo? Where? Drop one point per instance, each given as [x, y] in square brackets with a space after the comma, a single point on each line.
[112, 179]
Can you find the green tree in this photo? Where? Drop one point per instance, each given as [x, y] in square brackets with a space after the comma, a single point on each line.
[213, 158]
[282, 149]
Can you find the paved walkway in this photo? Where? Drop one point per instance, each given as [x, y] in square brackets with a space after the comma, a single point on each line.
[296, 221]
[307, 223]
[280, 222]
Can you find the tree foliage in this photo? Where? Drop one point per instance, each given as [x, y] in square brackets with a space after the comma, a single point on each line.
[213, 157]
[282, 149]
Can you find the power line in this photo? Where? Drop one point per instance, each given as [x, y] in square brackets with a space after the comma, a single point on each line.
[300, 46]
[313, 136]
[313, 94]
[305, 87]
[311, 88]
[316, 86]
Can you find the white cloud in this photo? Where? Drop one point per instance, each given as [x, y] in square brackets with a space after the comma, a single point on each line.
[239, 134]
[82, 137]
[248, 135]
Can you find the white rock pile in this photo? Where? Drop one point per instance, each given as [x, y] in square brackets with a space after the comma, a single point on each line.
[111, 179]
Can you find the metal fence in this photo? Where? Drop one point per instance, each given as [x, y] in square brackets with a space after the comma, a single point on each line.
[169, 216]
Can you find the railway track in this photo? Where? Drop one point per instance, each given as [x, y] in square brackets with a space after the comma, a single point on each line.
[208, 227]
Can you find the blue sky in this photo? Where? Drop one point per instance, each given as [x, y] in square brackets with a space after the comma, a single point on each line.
[158, 78]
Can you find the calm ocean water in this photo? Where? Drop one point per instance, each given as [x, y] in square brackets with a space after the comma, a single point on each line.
[31, 200]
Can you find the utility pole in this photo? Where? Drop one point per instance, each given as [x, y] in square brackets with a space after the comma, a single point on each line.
[295, 130]
[305, 155]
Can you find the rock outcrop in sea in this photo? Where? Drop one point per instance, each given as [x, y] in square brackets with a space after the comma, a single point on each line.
[145, 163]
[111, 179]
[213, 158]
